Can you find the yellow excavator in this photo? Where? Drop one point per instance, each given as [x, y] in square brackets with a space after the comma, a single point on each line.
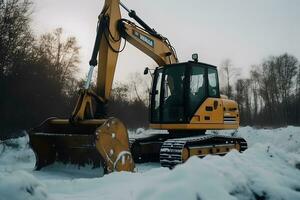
[185, 101]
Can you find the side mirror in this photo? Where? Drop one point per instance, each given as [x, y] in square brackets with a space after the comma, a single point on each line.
[146, 71]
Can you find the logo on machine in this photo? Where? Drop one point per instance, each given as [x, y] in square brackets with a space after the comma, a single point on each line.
[144, 38]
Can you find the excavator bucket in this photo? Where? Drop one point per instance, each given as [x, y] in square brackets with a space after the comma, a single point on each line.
[98, 142]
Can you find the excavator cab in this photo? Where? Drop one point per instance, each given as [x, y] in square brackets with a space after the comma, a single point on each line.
[179, 89]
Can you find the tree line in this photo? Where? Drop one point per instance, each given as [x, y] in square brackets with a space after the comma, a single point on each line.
[270, 96]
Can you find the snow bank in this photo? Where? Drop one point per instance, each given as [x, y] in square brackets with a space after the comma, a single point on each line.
[20, 185]
[16, 152]
[286, 139]
[262, 172]
[259, 173]
[269, 169]
[16, 184]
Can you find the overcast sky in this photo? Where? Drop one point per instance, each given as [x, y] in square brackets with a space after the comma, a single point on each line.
[244, 31]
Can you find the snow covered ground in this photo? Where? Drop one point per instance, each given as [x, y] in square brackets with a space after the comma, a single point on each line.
[269, 169]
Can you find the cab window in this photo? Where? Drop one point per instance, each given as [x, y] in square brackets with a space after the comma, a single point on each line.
[173, 94]
[197, 88]
[213, 85]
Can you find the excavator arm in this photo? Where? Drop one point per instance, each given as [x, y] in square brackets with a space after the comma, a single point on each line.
[111, 29]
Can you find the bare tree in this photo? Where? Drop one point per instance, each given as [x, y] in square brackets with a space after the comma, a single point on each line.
[286, 69]
[243, 98]
[228, 72]
[16, 44]
[16, 38]
[298, 82]
[63, 54]
[120, 92]
[140, 87]
[297, 100]
[239, 87]
[254, 77]
[269, 90]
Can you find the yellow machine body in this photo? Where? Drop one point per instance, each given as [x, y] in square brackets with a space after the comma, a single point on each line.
[213, 114]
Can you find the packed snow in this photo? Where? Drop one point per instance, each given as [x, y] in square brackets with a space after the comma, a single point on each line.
[268, 169]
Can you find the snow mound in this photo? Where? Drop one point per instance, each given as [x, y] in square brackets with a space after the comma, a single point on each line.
[269, 169]
[287, 139]
[261, 172]
[20, 185]
[16, 151]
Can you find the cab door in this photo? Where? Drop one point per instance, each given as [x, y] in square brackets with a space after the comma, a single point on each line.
[205, 104]
[214, 109]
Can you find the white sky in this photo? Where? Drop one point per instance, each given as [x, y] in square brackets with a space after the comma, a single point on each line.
[244, 31]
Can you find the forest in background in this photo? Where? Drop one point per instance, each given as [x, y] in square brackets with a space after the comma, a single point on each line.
[270, 96]
[37, 80]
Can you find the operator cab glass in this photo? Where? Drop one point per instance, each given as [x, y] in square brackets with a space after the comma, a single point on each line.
[180, 89]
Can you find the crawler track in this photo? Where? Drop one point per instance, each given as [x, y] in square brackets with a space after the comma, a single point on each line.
[177, 151]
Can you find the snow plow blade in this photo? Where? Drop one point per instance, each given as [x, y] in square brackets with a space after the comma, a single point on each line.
[100, 142]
